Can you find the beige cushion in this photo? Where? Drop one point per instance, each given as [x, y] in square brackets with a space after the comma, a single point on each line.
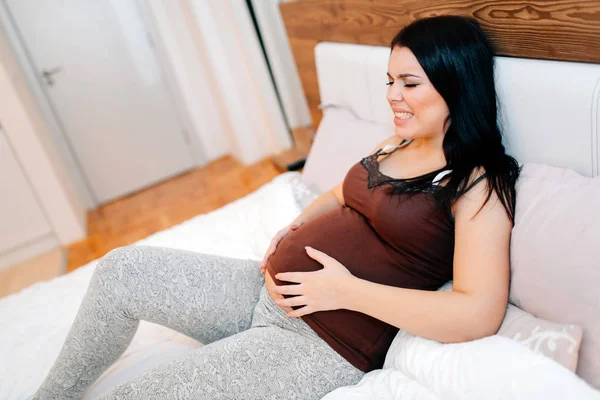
[557, 341]
[555, 254]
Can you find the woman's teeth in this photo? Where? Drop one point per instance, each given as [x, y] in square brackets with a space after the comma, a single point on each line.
[403, 115]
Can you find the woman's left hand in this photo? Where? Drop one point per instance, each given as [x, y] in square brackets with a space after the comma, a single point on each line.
[320, 290]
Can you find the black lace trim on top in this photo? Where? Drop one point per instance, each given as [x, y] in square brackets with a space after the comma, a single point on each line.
[377, 178]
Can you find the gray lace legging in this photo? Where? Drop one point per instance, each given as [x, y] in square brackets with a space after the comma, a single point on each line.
[253, 351]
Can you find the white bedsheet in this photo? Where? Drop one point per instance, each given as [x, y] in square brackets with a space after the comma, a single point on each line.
[35, 321]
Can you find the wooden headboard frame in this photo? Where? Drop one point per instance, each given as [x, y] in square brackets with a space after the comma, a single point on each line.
[565, 30]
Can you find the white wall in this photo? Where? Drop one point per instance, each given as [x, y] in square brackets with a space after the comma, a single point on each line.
[182, 47]
[281, 59]
[26, 130]
[240, 74]
[215, 55]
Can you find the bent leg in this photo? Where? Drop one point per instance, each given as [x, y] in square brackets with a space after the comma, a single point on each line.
[275, 359]
[205, 297]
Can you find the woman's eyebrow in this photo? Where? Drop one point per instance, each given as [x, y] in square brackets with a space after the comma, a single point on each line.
[400, 76]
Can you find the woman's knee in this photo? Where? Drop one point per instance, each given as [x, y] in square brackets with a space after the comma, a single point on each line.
[127, 263]
[113, 264]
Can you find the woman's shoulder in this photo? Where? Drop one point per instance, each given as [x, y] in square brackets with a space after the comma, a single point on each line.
[476, 180]
[475, 196]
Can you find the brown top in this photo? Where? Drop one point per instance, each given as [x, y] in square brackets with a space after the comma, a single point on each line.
[391, 239]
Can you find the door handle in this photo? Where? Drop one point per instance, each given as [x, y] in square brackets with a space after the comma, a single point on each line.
[48, 74]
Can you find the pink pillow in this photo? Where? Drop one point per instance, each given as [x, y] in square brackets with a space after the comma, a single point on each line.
[555, 254]
[340, 142]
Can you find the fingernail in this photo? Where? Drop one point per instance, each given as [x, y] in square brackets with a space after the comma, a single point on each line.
[308, 248]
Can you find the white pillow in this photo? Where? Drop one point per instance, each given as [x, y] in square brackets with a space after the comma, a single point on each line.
[494, 367]
[491, 368]
[383, 384]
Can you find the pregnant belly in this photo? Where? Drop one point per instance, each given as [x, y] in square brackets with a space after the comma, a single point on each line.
[342, 234]
[322, 233]
[346, 236]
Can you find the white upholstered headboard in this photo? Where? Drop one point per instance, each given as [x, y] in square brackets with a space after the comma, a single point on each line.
[550, 110]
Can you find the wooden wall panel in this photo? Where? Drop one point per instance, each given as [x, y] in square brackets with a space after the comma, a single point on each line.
[304, 54]
[547, 29]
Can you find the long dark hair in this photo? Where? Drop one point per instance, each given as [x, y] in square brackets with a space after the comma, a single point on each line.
[458, 59]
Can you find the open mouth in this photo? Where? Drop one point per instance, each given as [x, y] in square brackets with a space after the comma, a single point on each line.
[403, 115]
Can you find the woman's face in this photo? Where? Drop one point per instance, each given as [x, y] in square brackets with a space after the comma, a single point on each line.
[419, 110]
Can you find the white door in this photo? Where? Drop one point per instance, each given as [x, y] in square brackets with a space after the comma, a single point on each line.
[101, 75]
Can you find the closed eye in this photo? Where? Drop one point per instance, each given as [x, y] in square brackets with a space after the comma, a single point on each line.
[412, 85]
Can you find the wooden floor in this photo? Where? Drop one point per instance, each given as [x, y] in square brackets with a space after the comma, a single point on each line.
[159, 207]
[41, 268]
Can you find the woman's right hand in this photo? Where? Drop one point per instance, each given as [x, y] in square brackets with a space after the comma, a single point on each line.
[275, 241]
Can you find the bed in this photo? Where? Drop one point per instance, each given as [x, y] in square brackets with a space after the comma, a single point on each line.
[538, 110]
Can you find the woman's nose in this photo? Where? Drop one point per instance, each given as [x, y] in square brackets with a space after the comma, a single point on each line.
[394, 93]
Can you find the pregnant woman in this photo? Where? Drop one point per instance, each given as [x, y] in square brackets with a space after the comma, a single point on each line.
[433, 202]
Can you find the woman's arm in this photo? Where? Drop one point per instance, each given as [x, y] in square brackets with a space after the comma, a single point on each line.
[325, 202]
[476, 305]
